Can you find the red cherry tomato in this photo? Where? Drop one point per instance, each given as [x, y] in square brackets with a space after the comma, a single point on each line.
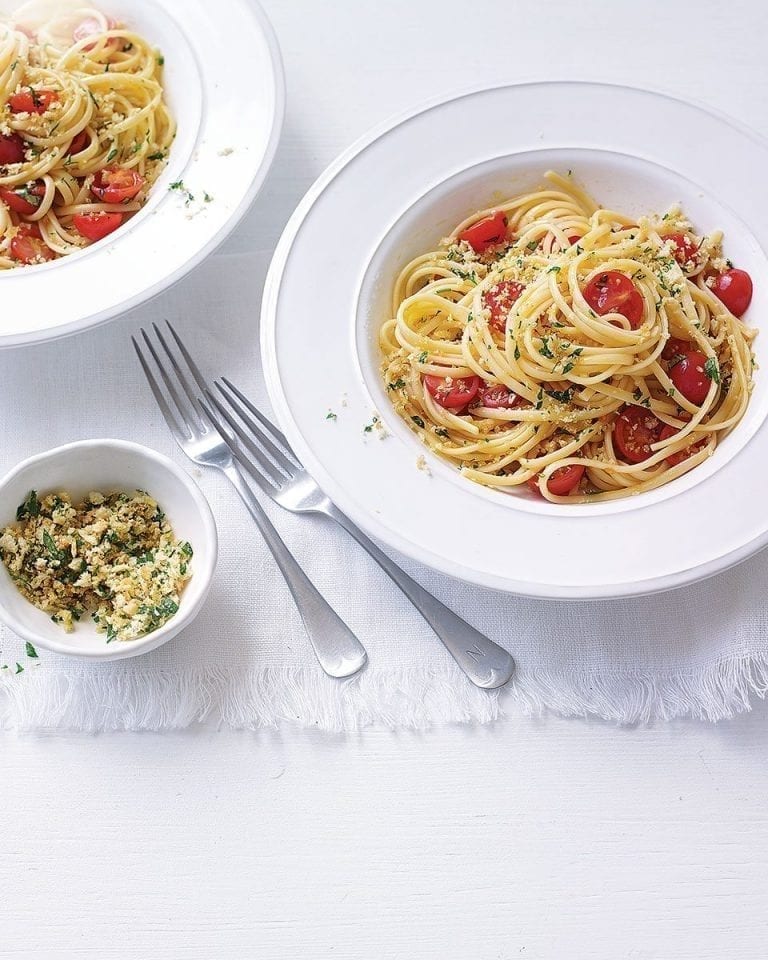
[79, 144]
[573, 240]
[676, 458]
[116, 184]
[32, 101]
[565, 480]
[690, 378]
[675, 348]
[96, 226]
[11, 149]
[684, 249]
[453, 393]
[499, 300]
[24, 200]
[634, 430]
[29, 247]
[486, 232]
[734, 288]
[562, 482]
[613, 292]
[495, 396]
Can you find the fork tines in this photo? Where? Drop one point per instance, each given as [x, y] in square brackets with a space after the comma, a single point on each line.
[267, 448]
[174, 379]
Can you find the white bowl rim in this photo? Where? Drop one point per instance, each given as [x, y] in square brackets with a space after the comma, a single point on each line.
[375, 527]
[203, 575]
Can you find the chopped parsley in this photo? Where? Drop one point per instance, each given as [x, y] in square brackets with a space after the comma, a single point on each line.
[563, 396]
[50, 546]
[469, 275]
[331, 415]
[544, 349]
[368, 428]
[180, 187]
[398, 384]
[30, 507]
[419, 422]
[712, 369]
[31, 652]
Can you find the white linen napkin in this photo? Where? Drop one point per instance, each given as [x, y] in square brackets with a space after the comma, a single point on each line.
[246, 662]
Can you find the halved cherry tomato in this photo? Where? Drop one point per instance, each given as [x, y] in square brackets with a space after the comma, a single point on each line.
[675, 348]
[117, 184]
[734, 288]
[24, 200]
[29, 247]
[573, 240]
[12, 149]
[495, 396]
[613, 292]
[79, 144]
[486, 232]
[562, 482]
[689, 376]
[676, 458]
[685, 248]
[96, 226]
[634, 430]
[500, 300]
[453, 393]
[32, 101]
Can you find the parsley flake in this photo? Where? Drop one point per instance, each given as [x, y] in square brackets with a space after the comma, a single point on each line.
[180, 187]
[712, 369]
[544, 349]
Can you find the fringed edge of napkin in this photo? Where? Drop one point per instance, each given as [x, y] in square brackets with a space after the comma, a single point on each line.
[95, 700]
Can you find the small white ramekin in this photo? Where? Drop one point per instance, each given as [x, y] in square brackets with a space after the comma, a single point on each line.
[107, 466]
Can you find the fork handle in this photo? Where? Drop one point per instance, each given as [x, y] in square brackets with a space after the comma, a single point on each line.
[338, 650]
[484, 662]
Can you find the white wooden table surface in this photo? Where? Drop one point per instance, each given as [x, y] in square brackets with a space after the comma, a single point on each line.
[549, 839]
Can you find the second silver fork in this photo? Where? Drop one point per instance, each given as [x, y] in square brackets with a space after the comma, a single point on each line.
[280, 475]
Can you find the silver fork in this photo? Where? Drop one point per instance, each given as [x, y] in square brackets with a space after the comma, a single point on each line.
[277, 470]
[338, 650]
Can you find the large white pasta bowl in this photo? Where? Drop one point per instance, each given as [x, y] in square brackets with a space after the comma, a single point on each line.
[461, 159]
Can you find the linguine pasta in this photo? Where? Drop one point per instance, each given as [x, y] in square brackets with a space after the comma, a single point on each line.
[581, 352]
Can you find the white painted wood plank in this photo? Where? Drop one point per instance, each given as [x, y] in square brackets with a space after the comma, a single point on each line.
[547, 839]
